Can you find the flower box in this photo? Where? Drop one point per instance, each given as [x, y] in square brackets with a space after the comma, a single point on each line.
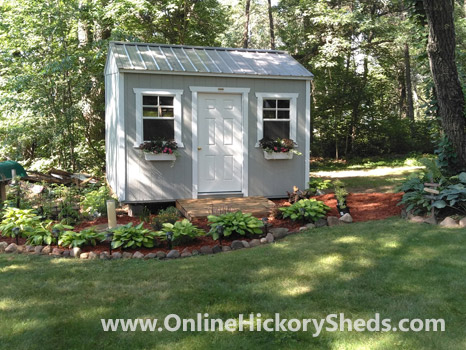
[160, 157]
[278, 155]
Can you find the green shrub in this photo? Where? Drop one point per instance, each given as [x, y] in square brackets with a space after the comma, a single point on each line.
[168, 215]
[46, 233]
[340, 193]
[26, 220]
[183, 232]
[306, 210]
[89, 236]
[236, 222]
[94, 202]
[130, 236]
[454, 195]
[317, 184]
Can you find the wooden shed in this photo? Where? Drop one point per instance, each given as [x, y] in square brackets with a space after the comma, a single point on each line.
[216, 103]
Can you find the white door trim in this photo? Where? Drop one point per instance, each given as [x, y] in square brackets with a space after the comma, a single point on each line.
[244, 121]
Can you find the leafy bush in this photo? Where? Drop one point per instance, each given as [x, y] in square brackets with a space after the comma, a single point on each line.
[87, 236]
[316, 184]
[236, 222]
[168, 215]
[340, 193]
[454, 195]
[26, 220]
[416, 202]
[94, 202]
[412, 183]
[131, 237]
[309, 210]
[46, 233]
[183, 232]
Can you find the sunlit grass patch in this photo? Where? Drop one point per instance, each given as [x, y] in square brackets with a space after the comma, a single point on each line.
[395, 268]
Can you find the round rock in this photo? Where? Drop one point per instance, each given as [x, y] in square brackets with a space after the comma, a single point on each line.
[236, 245]
[173, 254]
[12, 248]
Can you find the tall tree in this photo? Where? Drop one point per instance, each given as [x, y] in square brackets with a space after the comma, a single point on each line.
[441, 52]
[272, 30]
[246, 25]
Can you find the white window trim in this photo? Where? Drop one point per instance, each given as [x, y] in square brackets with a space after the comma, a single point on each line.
[245, 110]
[177, 110]
[307, 130]
[293, 112]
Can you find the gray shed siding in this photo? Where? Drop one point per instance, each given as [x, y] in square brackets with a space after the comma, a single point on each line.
[114, 130]
[160, 181]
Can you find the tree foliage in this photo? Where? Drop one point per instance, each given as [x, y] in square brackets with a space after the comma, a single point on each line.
[51, 69]
[372, 92]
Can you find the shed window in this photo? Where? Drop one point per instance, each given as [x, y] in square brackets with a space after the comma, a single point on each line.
[158, 115]
[276, 116]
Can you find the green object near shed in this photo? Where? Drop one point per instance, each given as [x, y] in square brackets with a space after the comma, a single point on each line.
[6, 167]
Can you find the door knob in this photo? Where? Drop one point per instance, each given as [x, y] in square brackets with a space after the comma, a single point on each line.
[199, 148]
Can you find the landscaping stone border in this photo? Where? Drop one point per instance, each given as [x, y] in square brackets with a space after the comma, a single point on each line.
[272, 235]
[448, 222]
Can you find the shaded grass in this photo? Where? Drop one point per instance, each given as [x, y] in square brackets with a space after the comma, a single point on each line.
[398, 269]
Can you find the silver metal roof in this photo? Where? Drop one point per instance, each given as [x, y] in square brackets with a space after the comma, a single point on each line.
[205, 60]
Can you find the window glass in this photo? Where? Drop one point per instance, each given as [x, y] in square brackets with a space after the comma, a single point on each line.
[167, 112]
[166, 100]
[150, 100]
[154, 129]
[268, 114]
[150, 112]
[158, 107]
[276, 118]
[283, 114]
[283, 103]
[274, 129]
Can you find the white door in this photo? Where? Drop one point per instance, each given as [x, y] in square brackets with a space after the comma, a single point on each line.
[220, 144]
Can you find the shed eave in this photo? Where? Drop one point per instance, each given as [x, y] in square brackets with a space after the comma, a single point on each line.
[253, 76]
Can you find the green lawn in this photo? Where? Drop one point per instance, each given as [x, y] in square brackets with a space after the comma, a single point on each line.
[369, 175]
[395, 268]
[380, 180]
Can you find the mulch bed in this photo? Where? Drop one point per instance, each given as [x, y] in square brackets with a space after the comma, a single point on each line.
[363, 207]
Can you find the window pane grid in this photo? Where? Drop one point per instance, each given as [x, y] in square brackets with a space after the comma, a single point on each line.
[158, 107]
[276, 115]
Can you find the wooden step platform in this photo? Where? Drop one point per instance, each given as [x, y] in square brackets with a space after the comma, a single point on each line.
[200, 208]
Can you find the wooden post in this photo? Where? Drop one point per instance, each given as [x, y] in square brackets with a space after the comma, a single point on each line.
[2, 191]
[111, 214]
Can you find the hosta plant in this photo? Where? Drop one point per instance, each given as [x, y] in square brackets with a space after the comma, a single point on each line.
[47, 233]
[183, 231]
[89, 236]
[454, 195]
[236, 222]
[309, 210]
[23, 221]
[129, 236]
[94, 202]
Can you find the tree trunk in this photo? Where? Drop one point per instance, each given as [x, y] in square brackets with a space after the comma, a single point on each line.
[272, 31]
[441, 52]
[409, 88]
[246, 26]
